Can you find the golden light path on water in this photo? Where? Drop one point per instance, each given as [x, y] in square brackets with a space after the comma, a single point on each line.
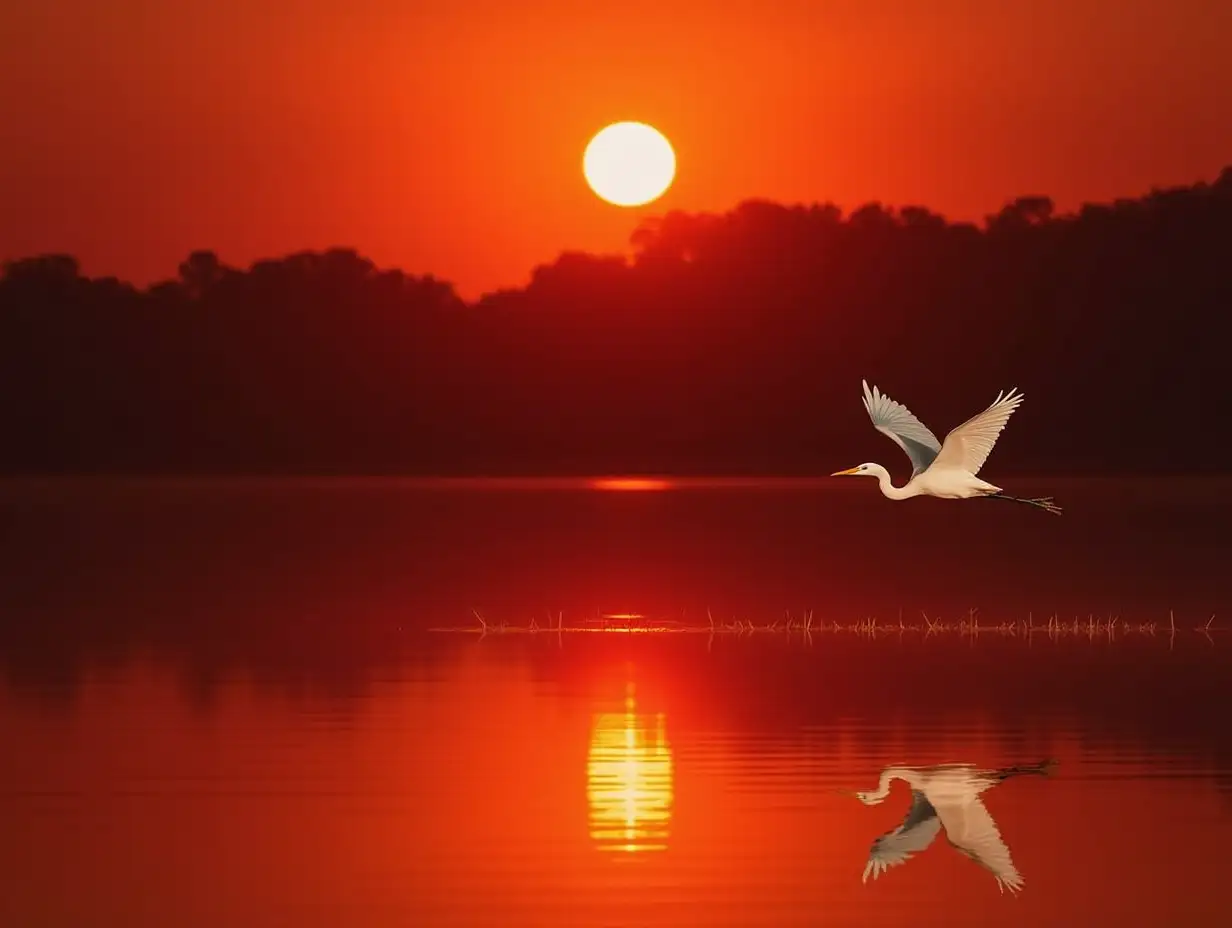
[629, 780]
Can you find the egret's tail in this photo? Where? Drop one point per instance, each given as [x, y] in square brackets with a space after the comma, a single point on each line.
[1040, 502]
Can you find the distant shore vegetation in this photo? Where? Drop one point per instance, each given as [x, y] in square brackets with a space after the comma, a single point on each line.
[727, 343]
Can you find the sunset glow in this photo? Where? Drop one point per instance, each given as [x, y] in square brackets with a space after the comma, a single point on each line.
[410, 406]
[625, 484]
[629, 780]
[256, 140]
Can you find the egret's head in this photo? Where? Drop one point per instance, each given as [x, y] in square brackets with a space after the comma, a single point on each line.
[869, 799]
[861, 470]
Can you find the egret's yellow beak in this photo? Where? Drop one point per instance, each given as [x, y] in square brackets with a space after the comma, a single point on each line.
[845, 473]
[846, 792]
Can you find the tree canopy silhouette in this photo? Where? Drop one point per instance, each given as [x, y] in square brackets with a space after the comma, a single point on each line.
[726, 343]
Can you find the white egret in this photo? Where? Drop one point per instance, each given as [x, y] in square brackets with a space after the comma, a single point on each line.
[946, 470]
[946, 796]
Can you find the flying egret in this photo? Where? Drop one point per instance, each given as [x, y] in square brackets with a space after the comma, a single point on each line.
[946, 796]
[946, 470]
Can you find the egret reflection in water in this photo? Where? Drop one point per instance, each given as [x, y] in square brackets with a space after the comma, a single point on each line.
[629, 780]
[947, 796]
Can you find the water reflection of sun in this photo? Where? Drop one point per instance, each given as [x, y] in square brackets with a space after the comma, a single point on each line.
[629, 780]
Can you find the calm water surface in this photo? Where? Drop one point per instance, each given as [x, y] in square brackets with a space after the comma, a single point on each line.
[220, 705]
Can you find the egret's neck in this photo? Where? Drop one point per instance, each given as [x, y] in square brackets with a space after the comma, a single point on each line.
[888, 776]
[889, 490]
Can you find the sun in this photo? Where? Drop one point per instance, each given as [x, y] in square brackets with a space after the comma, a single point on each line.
[629, 164]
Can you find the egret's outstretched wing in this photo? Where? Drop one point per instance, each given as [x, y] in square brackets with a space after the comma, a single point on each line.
[967, 447]
[912, 836]
[896, 421]
[970, 828]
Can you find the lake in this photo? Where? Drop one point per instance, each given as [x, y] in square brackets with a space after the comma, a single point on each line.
[267, 702]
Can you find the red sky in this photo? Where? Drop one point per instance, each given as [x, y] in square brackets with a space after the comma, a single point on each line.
[446, 136]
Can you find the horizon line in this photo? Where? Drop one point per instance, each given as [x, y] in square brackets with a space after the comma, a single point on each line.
[607, 482]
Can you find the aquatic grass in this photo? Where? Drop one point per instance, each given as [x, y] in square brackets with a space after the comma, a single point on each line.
[1109, 627]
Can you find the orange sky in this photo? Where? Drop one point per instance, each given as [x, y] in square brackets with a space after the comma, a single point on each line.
[447, 136]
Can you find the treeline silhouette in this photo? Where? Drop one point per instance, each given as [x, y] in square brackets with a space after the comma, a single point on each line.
[728, 343]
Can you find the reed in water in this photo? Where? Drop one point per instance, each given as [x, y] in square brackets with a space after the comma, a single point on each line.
[1110, 627]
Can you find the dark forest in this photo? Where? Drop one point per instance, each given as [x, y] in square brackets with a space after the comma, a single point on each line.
[727, 344]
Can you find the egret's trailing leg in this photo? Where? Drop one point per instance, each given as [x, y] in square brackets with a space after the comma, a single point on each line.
[1042, 769]
[1039, 502]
